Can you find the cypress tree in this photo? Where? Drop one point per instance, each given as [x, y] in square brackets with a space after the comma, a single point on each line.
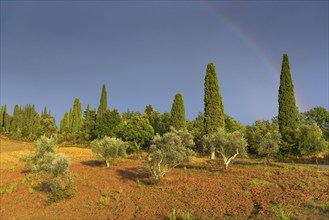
[178, 116]
[214, 117]
[288, 116]
[16, 122]
[76, 116]
[65, 124]
[103, 101]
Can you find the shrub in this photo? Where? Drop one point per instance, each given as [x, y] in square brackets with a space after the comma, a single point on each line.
[108, 149]
[269, 144]
[168, 151]
[50, 172]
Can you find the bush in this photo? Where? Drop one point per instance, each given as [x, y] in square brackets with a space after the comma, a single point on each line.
[50, 172]
[108, 149]
[168, 151]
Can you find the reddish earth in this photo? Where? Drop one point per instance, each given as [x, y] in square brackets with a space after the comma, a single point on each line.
[245, 191]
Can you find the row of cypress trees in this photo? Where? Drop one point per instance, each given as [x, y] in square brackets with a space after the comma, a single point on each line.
[93, 123]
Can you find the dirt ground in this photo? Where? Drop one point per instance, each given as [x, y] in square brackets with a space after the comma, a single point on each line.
[245, 191]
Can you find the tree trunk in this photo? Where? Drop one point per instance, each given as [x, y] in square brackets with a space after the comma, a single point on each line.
[268, 159]
[212, 155]
[107, 163]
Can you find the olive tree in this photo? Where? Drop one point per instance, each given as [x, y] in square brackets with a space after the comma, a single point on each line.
[170, 150]
[108, 149]
[269, 144]
[228, 145]
[49, 171]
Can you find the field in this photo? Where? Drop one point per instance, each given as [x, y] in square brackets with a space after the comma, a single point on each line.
[248, 190]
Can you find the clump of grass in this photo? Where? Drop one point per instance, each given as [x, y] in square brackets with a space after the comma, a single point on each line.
[11, 188]
[255, 182]
[183, 216]
[325, 207]
[105, 198]
[283, 214]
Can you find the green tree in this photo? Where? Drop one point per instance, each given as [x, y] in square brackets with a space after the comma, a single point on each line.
[31, 128]
[214, 117]
[310, 141]
[48, 124]
[196, 127]
[77, 119]
[228, 145]
[288, 116]
[256, 132]
[320, 116]
[103, 106]
[107, 123]
[269, 145]
[108, 149]
[168, 151]
[65, 124]
[137, 131]
[178, 116]
[154, 118]
[89, 125]
[232, 125]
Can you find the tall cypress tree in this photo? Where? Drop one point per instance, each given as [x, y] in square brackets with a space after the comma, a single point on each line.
[288, 116]
[178, 116]
[103, 101]
[76, 116]
[65, 124]
[214, 117]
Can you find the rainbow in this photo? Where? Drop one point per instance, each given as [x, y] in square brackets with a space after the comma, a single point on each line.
[274, 67]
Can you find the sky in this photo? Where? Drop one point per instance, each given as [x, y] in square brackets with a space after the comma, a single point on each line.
[146, 52]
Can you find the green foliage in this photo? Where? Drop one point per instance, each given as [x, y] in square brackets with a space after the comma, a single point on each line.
[102, 102]
[196, 127]
[288, 116]
[107, 123]
[232, 125]
[282, 214]
[105, 198]
[137, 131]
[76, 117]
[310, 141]
[89, 125]
[320, 116]
[178, 116]
[256, 133]
[228, 145]
[9, 190]
[213, 105]
[172, 215]
[170, 150]
[108, 149]
[48, 124]
[50, 172]
[154, 118]
[325, 206]
[269, 144]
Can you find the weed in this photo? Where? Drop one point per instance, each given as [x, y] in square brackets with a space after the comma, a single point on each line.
[255, 182]
[187, 216]
[172, 215]
[282, 214]
[12, 188]
[267, 174]
[105, 198]
[325, 207]
[117, 196]
[120, 190]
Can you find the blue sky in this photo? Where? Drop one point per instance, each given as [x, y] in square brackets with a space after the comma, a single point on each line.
[146, 52]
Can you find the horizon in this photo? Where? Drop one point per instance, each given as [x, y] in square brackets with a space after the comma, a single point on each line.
[146, 52]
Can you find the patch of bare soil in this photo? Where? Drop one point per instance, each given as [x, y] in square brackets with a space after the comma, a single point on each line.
[201, 188]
